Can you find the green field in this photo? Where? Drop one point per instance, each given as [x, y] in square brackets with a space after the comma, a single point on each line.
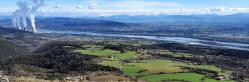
[192, 77]
[212, 80]
[153, 70]
[157, 66]
[98, 51]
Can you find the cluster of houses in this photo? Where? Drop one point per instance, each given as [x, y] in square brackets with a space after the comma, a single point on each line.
[143, 52]
[77, 79]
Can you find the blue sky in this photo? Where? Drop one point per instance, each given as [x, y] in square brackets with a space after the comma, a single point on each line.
[207, 3]
[103, 7]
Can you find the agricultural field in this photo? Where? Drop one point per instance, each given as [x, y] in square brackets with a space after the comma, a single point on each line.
[153, 70]
[99, 51]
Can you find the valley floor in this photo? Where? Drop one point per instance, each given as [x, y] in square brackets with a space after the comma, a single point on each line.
[72, 58]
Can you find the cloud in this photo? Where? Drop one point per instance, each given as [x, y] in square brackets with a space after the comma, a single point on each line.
[140, 4]
[132, 7]
[176, 11]
[79, 7]
[216, 9]
[93, 6]
[57, 6]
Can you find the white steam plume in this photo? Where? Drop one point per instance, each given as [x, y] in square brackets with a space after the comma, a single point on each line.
[24, 12]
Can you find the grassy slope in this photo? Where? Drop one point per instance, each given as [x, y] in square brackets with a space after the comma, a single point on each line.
[97, 51]
[192, 77]
[157, 66]
[154, 67]
[150, 70]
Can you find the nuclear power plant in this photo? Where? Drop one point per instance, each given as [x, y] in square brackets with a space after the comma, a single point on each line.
[25, 13]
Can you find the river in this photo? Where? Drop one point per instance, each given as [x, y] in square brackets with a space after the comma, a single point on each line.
[183, 40]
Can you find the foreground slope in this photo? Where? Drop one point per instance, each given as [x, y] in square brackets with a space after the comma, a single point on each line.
[8, 48]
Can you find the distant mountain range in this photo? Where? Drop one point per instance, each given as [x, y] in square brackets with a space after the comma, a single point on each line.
[80, 24]
[124, 23]
[165, 18]
[175, 18]
[144, 23]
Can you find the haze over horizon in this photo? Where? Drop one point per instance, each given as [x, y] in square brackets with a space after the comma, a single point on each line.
[133, 7]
